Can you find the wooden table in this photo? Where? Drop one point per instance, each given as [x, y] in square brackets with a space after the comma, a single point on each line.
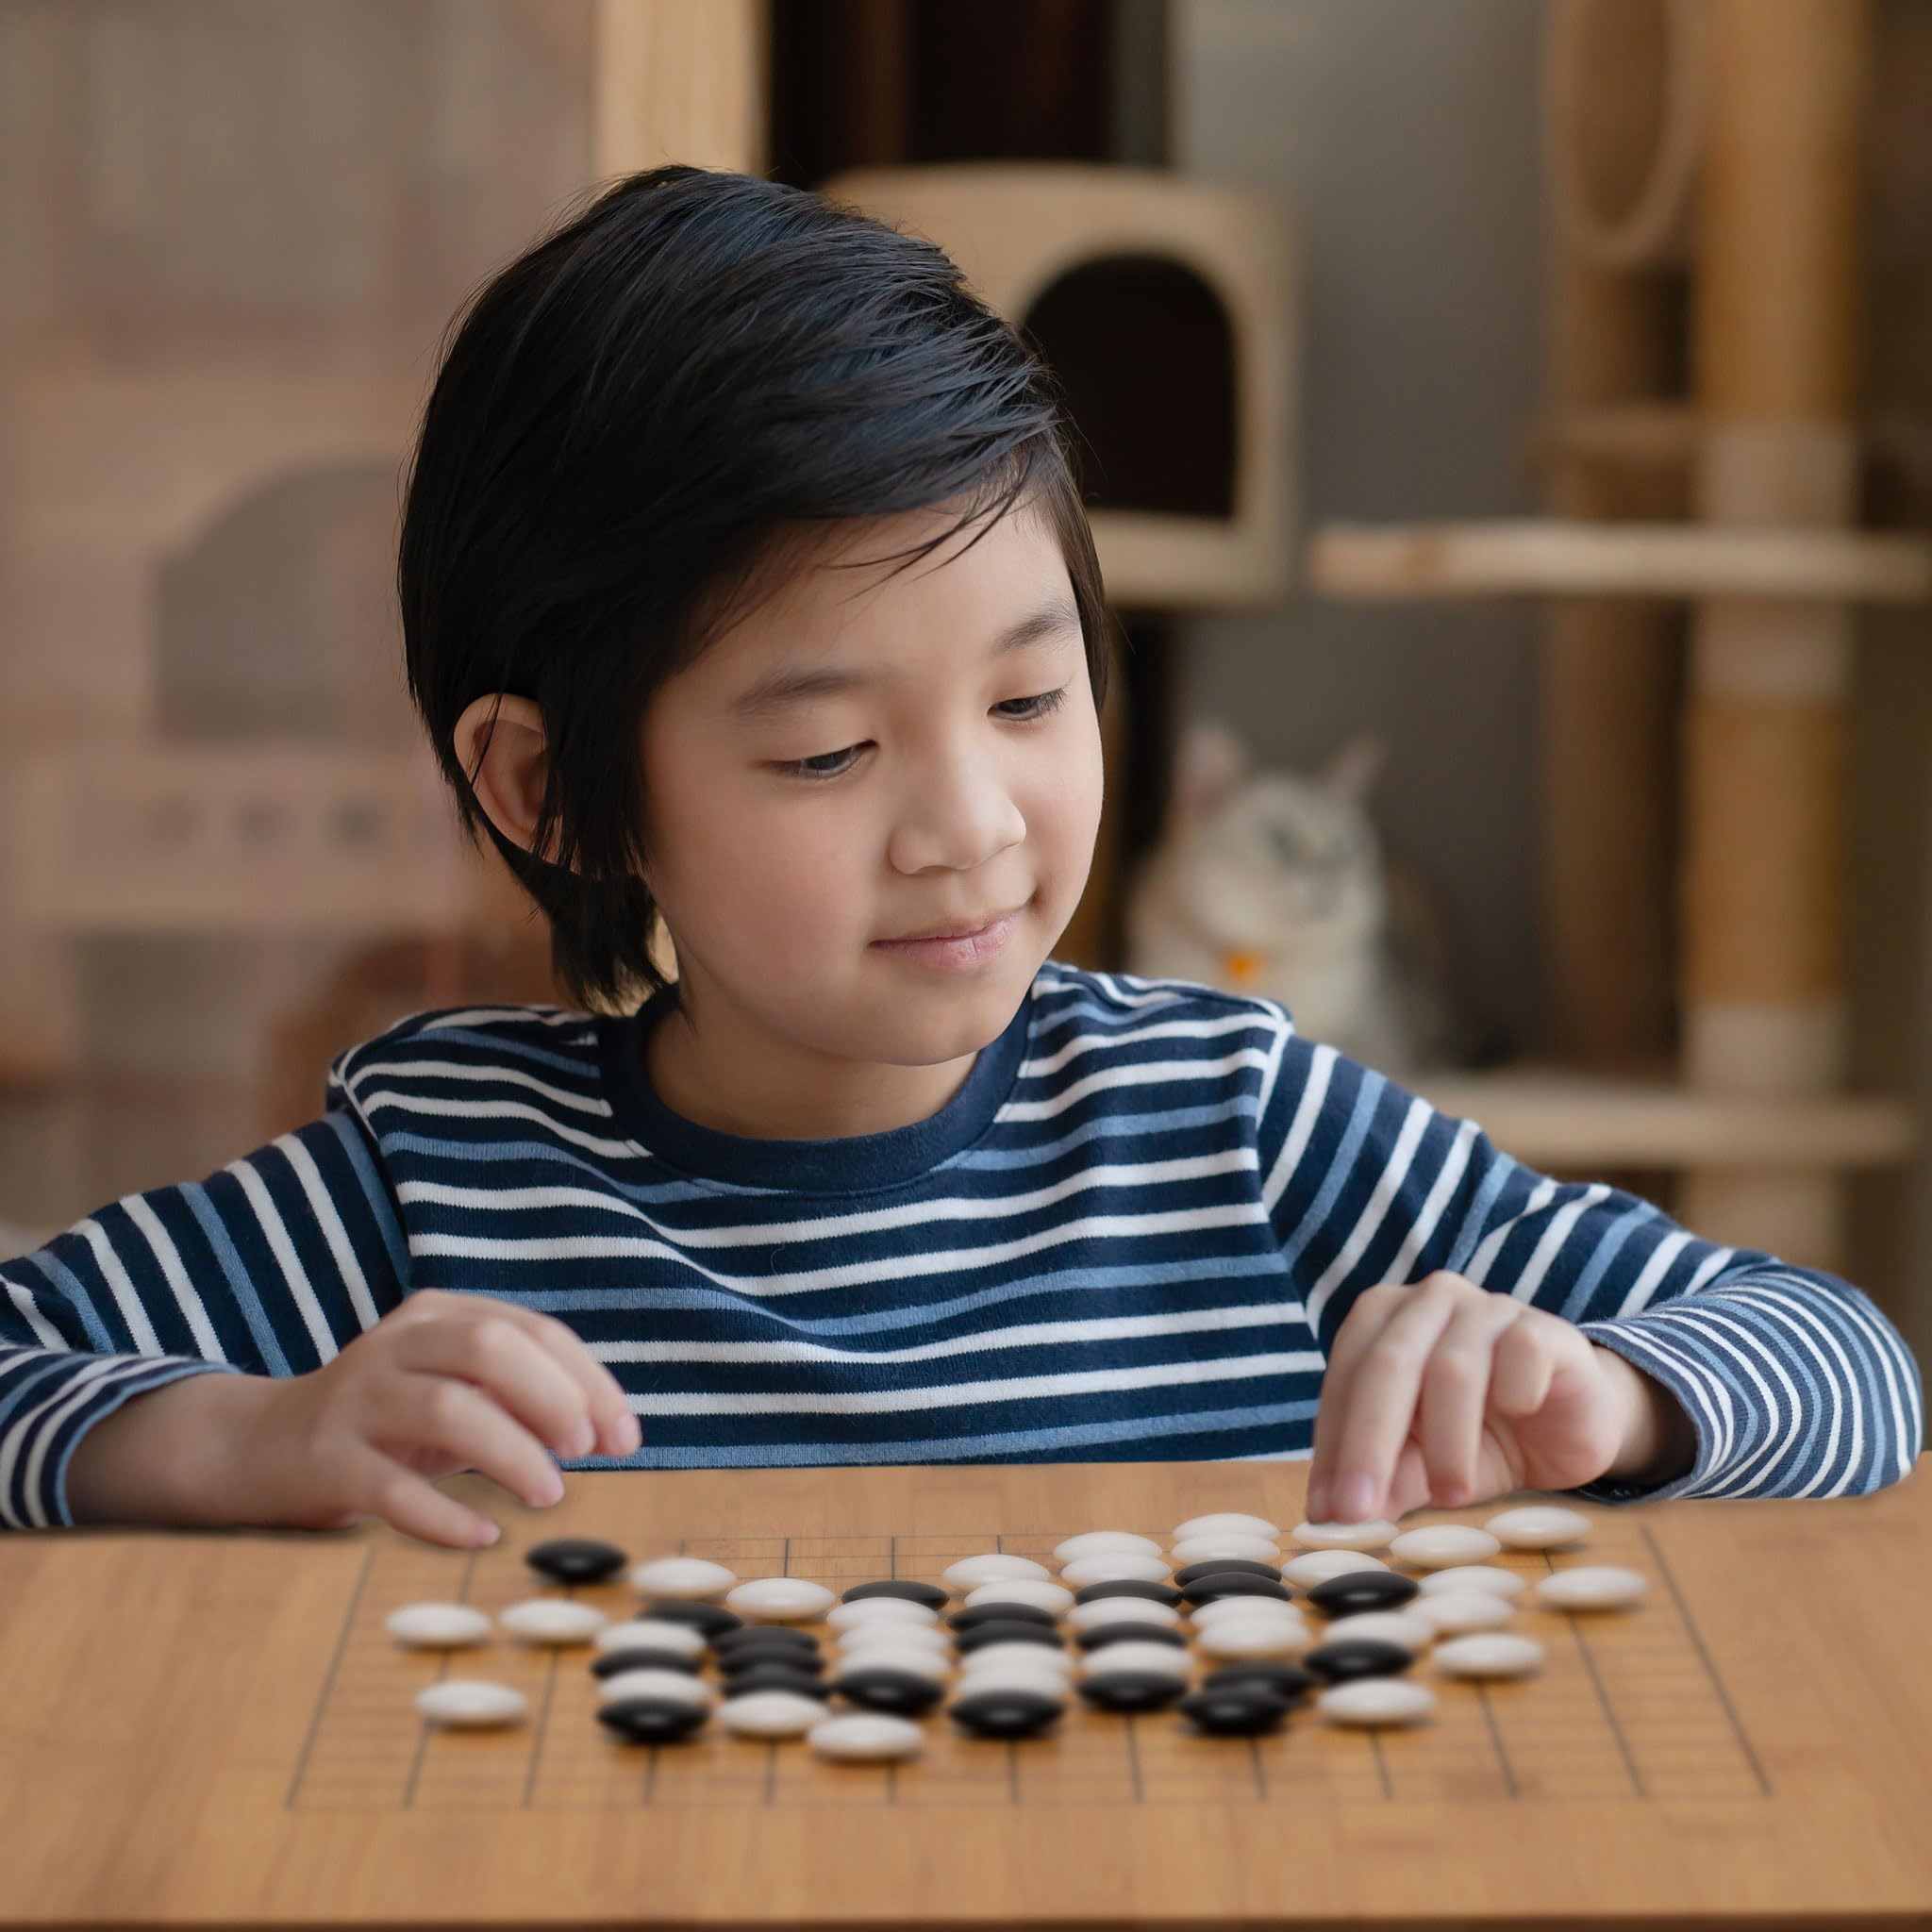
[204, 1729]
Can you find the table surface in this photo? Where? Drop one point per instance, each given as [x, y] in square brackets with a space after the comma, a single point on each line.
[202, 1729]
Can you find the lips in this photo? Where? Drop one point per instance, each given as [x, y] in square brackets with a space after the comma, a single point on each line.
[958, 930]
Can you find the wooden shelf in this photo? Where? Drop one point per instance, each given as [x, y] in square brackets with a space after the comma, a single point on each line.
[1556, 1117]
[1547, 558]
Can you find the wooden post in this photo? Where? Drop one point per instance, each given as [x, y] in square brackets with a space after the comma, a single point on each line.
[1763, 904]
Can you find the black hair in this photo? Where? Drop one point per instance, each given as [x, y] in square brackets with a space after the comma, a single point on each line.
[634, 428]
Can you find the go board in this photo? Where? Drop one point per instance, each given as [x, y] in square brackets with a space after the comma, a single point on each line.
[220, 1725]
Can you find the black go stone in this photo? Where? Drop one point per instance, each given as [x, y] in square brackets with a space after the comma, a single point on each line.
[810, 1662]
[976, 1614]
[1362, 1589]
[1239, 1565]
[651, 1720]
[576, 1559]
[904, 1693]
[776, 1678]
[1240, 1710]
[1285, 1680]
[1008, 1630]
[1005, 1713]
[1349, 1658]
[712, 1619]
[1131, 1693]
[642, 1657]
[930, 1594]
[1204, 1589]
[763, 1637]
[1127, 1586]
[1123, 1632]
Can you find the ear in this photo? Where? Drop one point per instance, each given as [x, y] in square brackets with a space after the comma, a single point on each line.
[508, 760]
[1351, 771]
[1209, 762]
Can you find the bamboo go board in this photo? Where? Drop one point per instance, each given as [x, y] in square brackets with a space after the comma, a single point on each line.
[201, 1729]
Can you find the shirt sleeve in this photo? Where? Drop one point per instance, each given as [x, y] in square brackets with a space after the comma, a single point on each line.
[1797, 1385]
[270, 1266]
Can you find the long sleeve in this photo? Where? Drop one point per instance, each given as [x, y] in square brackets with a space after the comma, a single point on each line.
[1796, 1383]
[269, 1268]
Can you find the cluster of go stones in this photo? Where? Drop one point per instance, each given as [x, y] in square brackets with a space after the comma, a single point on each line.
[1123, 1626]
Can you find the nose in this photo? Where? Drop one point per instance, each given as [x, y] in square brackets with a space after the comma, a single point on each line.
[957, 811]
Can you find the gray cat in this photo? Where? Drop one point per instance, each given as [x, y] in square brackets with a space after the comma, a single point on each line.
[1271, 883]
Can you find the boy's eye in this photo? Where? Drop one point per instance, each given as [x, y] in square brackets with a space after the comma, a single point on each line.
[831, 764]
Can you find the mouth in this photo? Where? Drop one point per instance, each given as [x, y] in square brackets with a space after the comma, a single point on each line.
[965, 929]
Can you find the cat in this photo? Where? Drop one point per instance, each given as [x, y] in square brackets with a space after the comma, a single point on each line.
[1273, 883]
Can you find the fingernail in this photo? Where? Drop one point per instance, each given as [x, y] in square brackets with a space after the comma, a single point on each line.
[585, 1439]
[633, 1433]
[1353, 1498]
[485, 1535]
[552, 1491]
[1318, 1499]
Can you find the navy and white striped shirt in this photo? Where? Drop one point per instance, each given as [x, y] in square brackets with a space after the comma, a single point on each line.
[1133, 1233]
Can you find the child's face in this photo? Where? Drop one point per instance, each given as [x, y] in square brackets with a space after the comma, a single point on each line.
[949, 795]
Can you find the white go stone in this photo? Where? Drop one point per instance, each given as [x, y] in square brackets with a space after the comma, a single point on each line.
[651, 1633]
[1455, 1613]
[1592, 1587]
[471, 1702]
[1038, 1654]
[1414, 1633]
[1376, 1701]
[652, 1682]
[1228, 1523]
[1051, 1597]
[1254, 1636]
[1129, 1656]
[553, 1619]
[769, 1714]
[865, 1736]
[969, 1573]
[1318, 1566]
[1490, 1653]
[780, 1599]
[438, 1626]
[682, 1580]
[1123, 1569]
[870, 1637]
[1376, 1534]
[1246, 1549]
[1016, 1673]
[1105, 1543]
[1466, 1576]
[934, 1665]
[1125, 1609]
[1221, 1609]
[870, 1612]
[1541, 1527]
[1436, 1545]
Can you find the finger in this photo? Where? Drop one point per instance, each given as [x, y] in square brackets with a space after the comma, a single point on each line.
[605, 1417]
[1523, 1368]
[411, 1504]
[1383, 1392]
[1374, 1307]
[1456, 1390]
[485, 1342]
[464, 1424]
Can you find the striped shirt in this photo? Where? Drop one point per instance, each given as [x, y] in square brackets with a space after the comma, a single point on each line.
[1132, 1234]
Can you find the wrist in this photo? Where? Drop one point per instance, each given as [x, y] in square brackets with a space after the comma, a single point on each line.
[1657, 1441]
[167, 1456]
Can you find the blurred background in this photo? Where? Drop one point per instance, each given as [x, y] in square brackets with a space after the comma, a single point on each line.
[1507, 430]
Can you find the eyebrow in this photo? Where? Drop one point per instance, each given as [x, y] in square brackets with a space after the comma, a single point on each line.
[779, 691]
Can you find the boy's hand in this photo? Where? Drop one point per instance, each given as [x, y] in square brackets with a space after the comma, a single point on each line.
[445, 1382]
[1441, 1392]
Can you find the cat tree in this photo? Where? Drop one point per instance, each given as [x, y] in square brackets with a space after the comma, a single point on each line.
[1716, 140]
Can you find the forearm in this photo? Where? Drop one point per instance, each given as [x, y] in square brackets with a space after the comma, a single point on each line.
[166, 1456]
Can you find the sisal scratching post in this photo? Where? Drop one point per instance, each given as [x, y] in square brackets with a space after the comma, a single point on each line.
[1764, 745]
